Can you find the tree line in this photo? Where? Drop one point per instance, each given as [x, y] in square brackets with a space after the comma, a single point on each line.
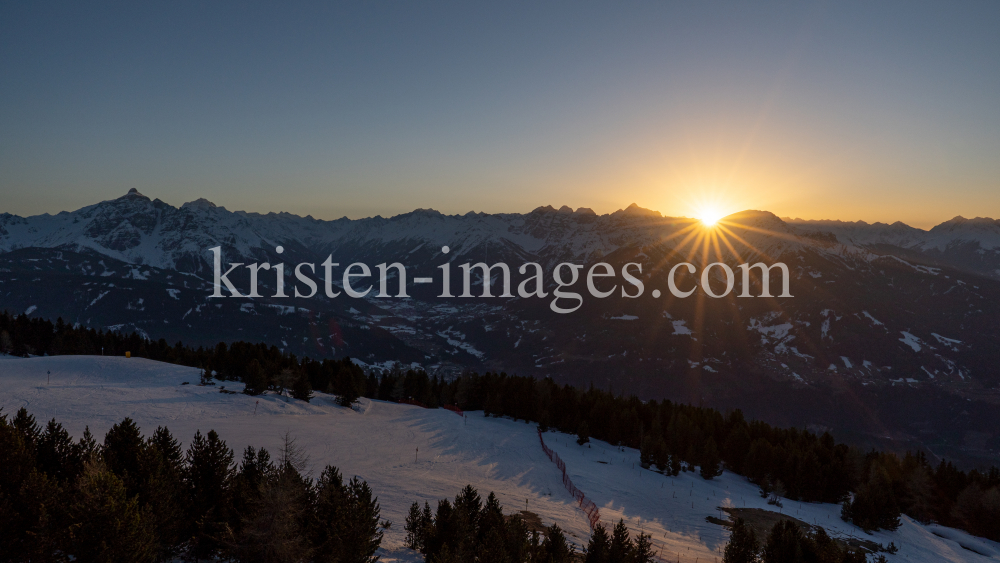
[142, 499]
[469, 529]
[786, 542]
[874, 487]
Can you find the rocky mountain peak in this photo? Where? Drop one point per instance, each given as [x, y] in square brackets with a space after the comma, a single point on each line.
[200, 203]
[636, 211]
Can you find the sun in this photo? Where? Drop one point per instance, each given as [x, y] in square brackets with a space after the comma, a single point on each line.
[709, 216]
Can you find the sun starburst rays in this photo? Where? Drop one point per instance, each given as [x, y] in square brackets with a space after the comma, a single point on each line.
[705, 240]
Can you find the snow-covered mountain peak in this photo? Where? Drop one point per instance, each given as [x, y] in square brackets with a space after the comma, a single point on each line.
[200, 203]
[959, 223]
[421, 211]
[635, 210]
[136, 229]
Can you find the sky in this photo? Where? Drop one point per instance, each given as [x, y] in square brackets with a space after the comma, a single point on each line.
[876, 111]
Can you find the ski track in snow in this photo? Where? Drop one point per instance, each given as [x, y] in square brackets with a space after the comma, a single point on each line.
[378, 442]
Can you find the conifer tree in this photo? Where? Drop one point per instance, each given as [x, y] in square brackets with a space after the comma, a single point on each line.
[491, 520]
[646, 452]
[827, 550]
[737, 446]
[675, 465]
[364, 529]
[348, 393]
[168, 447]
[26, 425]
[331, 511]
[122, 452]
[518, 539]
[444, 556]
[205, 377]
[493, 548]
[621, 544]
[255, 379]
[444, 527]
[583, 433]
[35, 521]
[6, 343]
[58, 456]
[710, 462]
[112, 526]
[643, 550]
[661, 456]
[301, 387]
[784, 544]
[210, 472]
[413, 527]
[274, 529]
[743, 546]
[426, 526]
[468, 506]
[554, 546]
[162, 490]
[874, 505]
[87, 445]
[599, 546]
[979, 510]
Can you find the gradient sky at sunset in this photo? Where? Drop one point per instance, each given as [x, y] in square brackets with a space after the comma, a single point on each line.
[879, 111]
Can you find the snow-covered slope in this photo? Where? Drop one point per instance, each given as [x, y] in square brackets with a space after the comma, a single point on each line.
[378, 442]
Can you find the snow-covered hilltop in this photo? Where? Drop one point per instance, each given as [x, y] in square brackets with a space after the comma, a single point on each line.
[377, 441]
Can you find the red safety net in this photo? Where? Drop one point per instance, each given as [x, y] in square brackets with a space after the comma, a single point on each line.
[413, 402]
[455, 410]
[586, 505]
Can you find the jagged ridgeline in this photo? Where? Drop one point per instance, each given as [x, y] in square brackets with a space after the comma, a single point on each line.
[143, 265]
[875, 487]
[890, 330]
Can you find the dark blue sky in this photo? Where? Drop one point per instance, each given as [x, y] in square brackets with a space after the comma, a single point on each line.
[851, 110]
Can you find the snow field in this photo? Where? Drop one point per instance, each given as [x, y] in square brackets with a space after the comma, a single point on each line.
[379, 442]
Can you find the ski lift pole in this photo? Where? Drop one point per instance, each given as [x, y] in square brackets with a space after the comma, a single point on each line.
[255, 407]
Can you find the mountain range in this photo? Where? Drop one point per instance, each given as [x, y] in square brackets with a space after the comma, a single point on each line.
[891, 333]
